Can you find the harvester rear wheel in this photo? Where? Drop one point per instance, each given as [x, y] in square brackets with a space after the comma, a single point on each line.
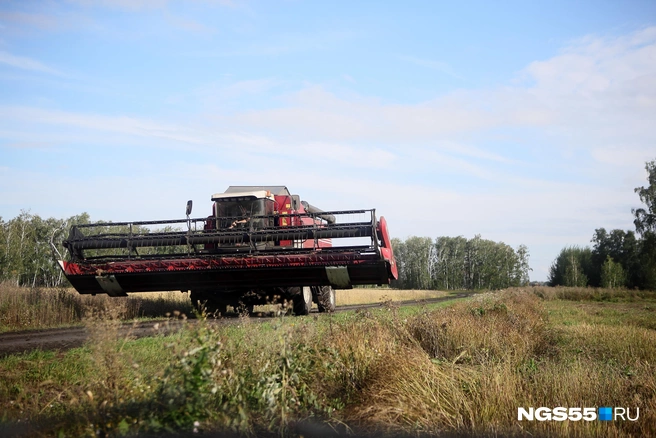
[326, 299]
[302, 300]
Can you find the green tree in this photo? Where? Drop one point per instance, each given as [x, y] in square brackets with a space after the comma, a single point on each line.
[612, 274]
[574, 275]
[26, 255]
[572, 267]
[400, 257]
[522, 269]
[645, 223]
[647, 263]
[623, 247]
[417, 262]
[477, 263]
[645, 218]
[449, 266]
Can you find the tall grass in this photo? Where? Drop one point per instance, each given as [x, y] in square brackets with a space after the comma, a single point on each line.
[589, 293]
[465, 369]
[356, 296]
[33, 308]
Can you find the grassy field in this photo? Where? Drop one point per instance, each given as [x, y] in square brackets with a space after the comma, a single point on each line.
[24, 308]
[459, 368]
[349, 297]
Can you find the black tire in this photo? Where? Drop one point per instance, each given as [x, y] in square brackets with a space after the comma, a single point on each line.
[302, 300]
[326, 299]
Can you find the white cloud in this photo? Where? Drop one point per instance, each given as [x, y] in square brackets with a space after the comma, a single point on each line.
[434, 65]
[349, 78]
[25, 63]
[39, 21]
[28, 145]
[133, 5]
[188, 24]
[121, 124]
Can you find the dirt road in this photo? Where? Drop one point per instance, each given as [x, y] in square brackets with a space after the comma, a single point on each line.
[66, 338]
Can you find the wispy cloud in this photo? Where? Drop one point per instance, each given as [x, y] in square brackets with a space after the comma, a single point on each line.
[28, 145]
[349, 78]
[133, 5]
[120, 124]
[440, 66]
[25, 63]
[188, 24]
[37, 20]
[284, 44]
[225, 93]
[148, 4]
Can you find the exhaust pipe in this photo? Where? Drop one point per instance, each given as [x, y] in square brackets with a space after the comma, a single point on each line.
[314, 210]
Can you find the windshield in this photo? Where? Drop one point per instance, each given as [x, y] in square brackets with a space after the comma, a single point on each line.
[238, 214]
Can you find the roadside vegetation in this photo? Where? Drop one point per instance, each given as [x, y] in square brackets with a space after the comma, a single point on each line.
[460, 368]
[351, 297]
[26, 308]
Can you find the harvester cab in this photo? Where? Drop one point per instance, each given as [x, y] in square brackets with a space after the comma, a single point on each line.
[261, 244]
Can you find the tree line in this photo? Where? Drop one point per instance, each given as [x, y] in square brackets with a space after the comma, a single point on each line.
[26, 254]
[30, 246]
[455, 263]
[618, 258]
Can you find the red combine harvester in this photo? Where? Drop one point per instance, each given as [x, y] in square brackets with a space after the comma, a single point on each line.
[260, 245]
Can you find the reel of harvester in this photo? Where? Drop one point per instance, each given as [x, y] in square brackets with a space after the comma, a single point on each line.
[314, 248]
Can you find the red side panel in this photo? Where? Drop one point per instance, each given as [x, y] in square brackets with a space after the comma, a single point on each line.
[386, 247]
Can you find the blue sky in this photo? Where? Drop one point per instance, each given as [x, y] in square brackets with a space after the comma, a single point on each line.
[525, 122]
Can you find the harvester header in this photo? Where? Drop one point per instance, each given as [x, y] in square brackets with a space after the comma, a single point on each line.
[260, 243]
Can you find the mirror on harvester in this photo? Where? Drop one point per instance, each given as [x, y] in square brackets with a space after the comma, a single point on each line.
[189, 205]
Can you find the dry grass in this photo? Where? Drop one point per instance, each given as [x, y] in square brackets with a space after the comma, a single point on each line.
[27, 308]
[38, 308]
[406, 391]
[589, 293]
[457, 372]
[475, 363]
[347, 297]
[486, 329]
[633, 313]
[464, 369]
